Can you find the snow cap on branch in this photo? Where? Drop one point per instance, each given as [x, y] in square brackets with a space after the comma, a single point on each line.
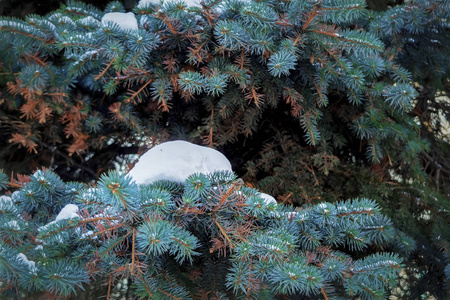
[30, 264]
[267, 198]
[69, 211]
[189, 3]
[175, 161]
[126, 21]
[5, 199]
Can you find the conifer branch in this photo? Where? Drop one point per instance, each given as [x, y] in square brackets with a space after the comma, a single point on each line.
[105, 69]
[139, 91]
[310, 18]
[133, 251]
[230, 242]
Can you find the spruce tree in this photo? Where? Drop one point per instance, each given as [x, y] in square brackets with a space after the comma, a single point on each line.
[312, 101]
[210, 236]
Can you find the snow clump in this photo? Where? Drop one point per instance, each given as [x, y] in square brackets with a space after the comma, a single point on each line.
[267, 198]
[5, 199]
[30, 264]
[189, 3]
[69, 211]
[126, 21]
[175, 161]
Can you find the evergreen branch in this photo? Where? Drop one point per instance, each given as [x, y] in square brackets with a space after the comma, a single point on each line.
[106, 230]
[258, 14]
[193, 82]
[365, 39]
[324, 294]
[144, 283]
[310, 17]
[343, 12]
[43, 64]
[336, 58]
[272, 253]
[235, 186]
[281, 62]
[331, 34]
[210, 137]
[104, 70]
[14, 27]
[163, 17]
[356, 6]
[130, 76]
[297, 39]
[70, 224]
[133, 250]
[324, 101]
[111, 246]
[169, 295]
[230, 34]
[224, 233]
[64, 276]
[95, 219]
[109, 287]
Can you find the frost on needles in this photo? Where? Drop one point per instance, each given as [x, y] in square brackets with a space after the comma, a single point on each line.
[180, 240]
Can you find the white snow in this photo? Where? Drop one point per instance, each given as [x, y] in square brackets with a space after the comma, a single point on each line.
[87, 235]
[14, 224]
[177, 160]
[31, 264]
[189, 3]
[267, 198]
[269, 247]
[144, 3]
[322, 205]
[126, 21]
[69, 211]
[5, 199]
[289, 215]
[88, 20]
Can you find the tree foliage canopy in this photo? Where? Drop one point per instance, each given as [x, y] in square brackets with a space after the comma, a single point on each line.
[158, 235]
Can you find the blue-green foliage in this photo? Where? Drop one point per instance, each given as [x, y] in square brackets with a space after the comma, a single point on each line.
[63, 277]
[120, 228]
[3, 180]
[244, 59]
[343, 11]
[281, 63]
[399, 96]
[119, 191]
[295, 44]
[194, 82]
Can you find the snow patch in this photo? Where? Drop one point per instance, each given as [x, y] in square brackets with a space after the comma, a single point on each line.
[269, 247]
[289, 215]
[189, 3]
[69, 211]
[175, 161]
[5, 199]
[126, 21]
[267, 198]
[87, 235]
[14, 225]
[144, 3]
[30, 264]
[322, 205]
